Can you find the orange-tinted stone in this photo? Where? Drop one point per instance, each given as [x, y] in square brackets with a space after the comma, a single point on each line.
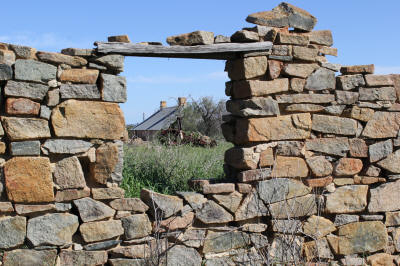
[85, 76]
[318, 182]
[22, 106]
[88, 119]
[348, 167]
[28, 179]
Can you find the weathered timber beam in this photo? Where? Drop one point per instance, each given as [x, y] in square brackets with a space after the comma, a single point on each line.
[221, 51]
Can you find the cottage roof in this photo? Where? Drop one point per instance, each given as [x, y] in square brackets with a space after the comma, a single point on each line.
[161, 119]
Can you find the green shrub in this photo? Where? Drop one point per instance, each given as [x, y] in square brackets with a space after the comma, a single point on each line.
[167, 169]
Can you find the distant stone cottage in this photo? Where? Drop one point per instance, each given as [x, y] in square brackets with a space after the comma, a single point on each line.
[162, 119]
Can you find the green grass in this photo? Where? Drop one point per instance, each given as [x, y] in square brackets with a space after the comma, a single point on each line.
[167, 169]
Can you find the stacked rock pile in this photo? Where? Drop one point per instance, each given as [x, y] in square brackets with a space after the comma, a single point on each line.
[316, 163]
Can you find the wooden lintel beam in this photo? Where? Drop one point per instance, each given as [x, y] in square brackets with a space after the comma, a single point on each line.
[222, 51]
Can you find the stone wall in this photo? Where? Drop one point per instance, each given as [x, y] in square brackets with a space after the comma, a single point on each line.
[313, 177]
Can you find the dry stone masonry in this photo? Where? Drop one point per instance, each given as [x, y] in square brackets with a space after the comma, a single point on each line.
[314, 176]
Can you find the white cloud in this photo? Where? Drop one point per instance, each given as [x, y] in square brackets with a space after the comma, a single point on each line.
[387, 69]
[171, 79]
[43, 41]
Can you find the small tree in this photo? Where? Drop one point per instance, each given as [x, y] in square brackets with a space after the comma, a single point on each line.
[204, 115]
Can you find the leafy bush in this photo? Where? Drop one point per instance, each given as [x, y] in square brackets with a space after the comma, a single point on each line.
[167, 169]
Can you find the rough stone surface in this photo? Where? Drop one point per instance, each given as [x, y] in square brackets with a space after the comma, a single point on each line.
[91, 210]
[297, 84]
[229, 201]
[252, 206]
[334, 125]
[192, 38]
[136, 226]
[305, 53]
[79, 91]
[330, 146]
[245, 36]
[350, 82]
[289, 148]
[391, 163]
[286, 248]
[195, 200]
[115, 62]
[212, 213]
[25, 148]
[30, 257]
[321, 37]
[321, 79]
[378, 80]
[304, 107]
[45, 112]
[88, 119]
[183, 256]
[84, 76]
[246, 68]
[358, 148]
[66, 146]
[280, 189]
[385, 198]
[342, 219]
[348, 167]
[254, 175]
[25, 128]
[24, 209]
[28, 179]
[291, 167]
[319, 182]
[382, 125]
[299, 70]
[129, 204]
[378, 94]
[362, 114]
[380, 150]
[98, 231]
[56, 58]
[218, 188]
[80, 257]
[256, 88]
[347, 199]
[52, 229]
[346, 97]
[392, 218]
[68, 173]
[71, 194]
[295, 207]
[108, 163]
[13, 231]
[318, 227]
[292, 38]
[107, 193]
[305, 98]
[31, 70]
[357, 69]
[317, 249]
[284, 15]
[113, 88]
[165, 204]
[274, 69]
[216, 242]
[288, 127]
[21, 106]
[259, 106]
[320, 166]
[360, 237]
[28, 90]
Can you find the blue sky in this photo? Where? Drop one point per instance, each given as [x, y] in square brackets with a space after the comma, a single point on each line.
[363, 31]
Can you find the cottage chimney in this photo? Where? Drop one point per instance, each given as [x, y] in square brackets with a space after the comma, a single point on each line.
[181, 101]
[163, 104]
